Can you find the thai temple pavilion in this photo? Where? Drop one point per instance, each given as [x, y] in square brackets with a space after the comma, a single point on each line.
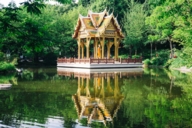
[98, 36]
[100, 28]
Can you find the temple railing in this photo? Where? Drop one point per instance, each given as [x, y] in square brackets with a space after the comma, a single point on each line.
[81, 60]
[129, 60]
[65, 60]
[98, 61]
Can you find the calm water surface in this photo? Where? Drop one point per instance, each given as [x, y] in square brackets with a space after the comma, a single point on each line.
[51, 98]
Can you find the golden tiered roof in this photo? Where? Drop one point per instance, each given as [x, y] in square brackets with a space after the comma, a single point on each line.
[97, 25]
[95, 109]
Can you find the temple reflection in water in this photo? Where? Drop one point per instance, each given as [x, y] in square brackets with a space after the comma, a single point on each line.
[98, 97]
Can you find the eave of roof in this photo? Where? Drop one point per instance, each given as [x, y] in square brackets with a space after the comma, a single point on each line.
[97, 27]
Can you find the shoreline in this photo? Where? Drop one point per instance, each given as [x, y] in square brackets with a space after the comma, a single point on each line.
[183, 69]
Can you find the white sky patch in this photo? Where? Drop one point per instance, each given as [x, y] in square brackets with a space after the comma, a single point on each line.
[6, 2]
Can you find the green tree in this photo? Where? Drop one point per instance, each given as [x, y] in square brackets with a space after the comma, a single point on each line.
[134, 26]
[167, 22]
[171, 23]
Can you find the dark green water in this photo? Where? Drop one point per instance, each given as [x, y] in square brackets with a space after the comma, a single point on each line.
[43, 97]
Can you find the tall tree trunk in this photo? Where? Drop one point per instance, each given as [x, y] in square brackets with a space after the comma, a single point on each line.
[171, 48]
[130, 52]
[156, 50]
[151, 50]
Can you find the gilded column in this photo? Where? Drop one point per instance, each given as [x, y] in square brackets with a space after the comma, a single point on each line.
[103, 46]
[109, 44]
[95, 48]
[79, 48]
[117, 52]
[115, 42]
[87, 45]
[82, 50]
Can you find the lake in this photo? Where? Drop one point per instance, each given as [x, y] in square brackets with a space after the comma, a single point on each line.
[124, 98]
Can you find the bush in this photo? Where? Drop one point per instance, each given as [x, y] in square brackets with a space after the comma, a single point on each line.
[157, 61]
[168, 63]
[4, 66]
[147, 62]
[2, 57]
[183, 58]
[124, 56]
[160, 58]
[135, 56]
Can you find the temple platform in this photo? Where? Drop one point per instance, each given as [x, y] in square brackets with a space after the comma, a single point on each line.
[108, 70]
[92, 73]
[99, 63]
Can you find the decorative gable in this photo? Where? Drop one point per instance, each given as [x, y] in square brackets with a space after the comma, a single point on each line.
[95, 24]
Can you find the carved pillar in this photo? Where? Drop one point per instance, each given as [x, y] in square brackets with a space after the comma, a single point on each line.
[109, 44]
[88, 46]
[116, 43]
[96, 48]
[117, 49]
[103, 46]
[82, 49]
[79, 48]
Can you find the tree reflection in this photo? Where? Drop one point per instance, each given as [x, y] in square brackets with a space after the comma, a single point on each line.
[36, 100]
[99, 97]
[157, 98]
[167, 108]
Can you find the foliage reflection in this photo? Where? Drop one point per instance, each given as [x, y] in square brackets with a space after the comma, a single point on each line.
[45, 97]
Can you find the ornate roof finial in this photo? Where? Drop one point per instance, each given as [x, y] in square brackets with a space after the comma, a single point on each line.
[105, 10]
[116, 16]
[108, 12]
[113, 11]
[89, 12]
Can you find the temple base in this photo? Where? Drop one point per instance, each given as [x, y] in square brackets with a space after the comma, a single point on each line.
[99, 66]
